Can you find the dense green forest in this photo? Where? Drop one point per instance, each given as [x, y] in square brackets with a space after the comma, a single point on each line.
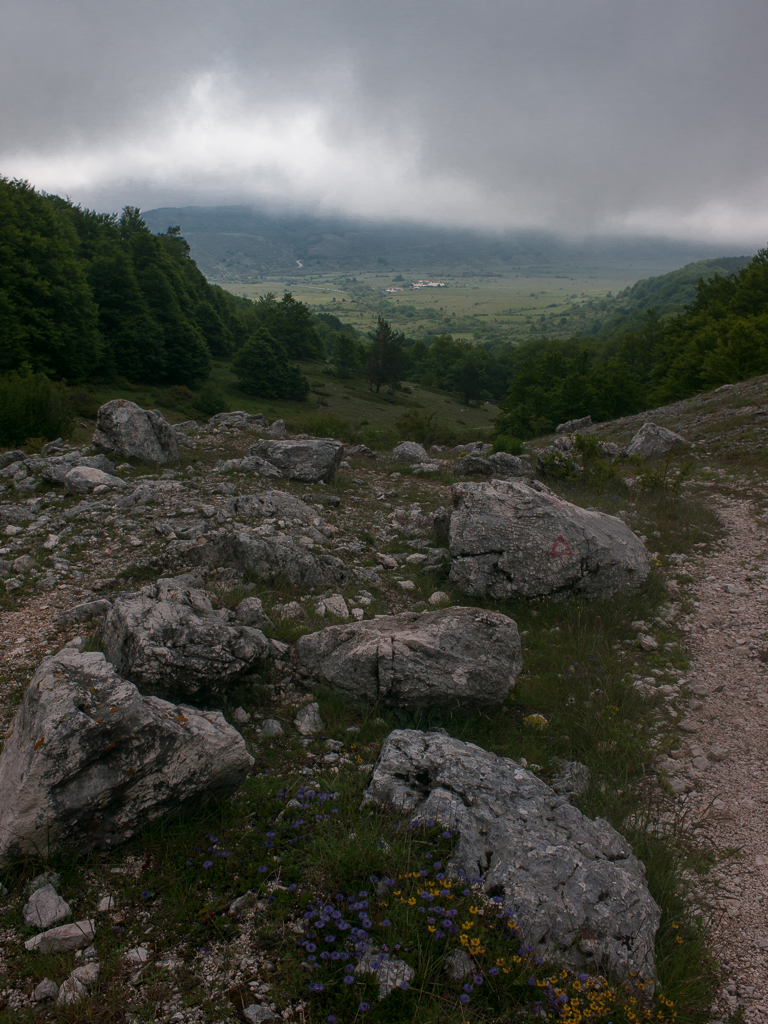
[90, 297]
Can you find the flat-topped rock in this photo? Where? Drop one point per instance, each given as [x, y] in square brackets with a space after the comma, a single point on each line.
[509, 539]
[456, 657]
[308, 460]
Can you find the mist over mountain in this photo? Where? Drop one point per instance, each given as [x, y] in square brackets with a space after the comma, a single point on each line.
[244, 243]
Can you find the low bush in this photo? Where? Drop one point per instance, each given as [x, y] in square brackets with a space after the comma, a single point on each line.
[31, 405]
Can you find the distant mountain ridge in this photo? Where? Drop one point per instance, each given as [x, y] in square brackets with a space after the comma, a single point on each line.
[241, 243]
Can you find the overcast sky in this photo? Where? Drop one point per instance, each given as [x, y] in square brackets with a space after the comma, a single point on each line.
[580, 116]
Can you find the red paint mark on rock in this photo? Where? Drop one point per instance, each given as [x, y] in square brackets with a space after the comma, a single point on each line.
[560, 547]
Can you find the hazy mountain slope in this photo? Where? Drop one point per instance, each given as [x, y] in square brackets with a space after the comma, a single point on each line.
[239, 243]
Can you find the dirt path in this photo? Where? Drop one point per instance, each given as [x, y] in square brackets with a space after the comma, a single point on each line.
[724, 753]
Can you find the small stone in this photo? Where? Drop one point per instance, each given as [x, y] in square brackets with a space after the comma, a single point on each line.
[700, 763]
[761, 861]
[336, 605]
[406, 584]
[87, 974]
[687, 725]
[358, 614]
[47, 989]
[45, 909]
[270, 728]
[137, 955]
[105, 903]
[72, 991]
[677, 785]
[647, 642]
[308, 720]
[241, 904]
[387, 560]
[717, 753]
[241, 716]
[457, 965]
[291, 610]
[439, 597]
[63, 938]
[257, 1013]
[416, 559]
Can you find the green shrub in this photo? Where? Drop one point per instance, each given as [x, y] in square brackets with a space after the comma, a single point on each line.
[414, 426]
[210, 399]
[31, 405]
[84, 402]
[508, 443]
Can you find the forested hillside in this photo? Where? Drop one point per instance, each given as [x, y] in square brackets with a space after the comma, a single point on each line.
[88, 296]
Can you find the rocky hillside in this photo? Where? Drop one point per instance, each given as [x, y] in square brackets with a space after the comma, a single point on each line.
[302, 731]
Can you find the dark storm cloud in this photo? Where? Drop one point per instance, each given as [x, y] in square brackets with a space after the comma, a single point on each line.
[578, 115]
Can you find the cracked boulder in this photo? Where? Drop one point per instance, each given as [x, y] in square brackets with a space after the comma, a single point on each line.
[577, 892]
[308, 460]
[507, 539]
[652, 442]
[167, 639]
[453, 658]
[126, 429]
[88, 760]
[266, 558]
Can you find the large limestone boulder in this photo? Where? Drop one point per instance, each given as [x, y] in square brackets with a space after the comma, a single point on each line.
[410, 451]
[457, 657]
[274, 505]
[168, 640]
[577, 891]
[571, 426]
[266, 558]
[652, 441]
[508, 539]
[126, 429]
[88, 760]
[308, 459]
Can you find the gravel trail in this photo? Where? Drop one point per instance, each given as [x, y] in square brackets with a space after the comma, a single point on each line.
[723, 753]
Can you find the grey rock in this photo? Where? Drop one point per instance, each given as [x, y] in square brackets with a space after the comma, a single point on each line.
[241, 716]
[308, 720]
[360, 449]
[472, 465]
[88, 760]
[458, 964]
[266, 558]
[253, 464]
[508, 539]
[410, 451]
[456, 657]
[167, 639]
[239, 421]
[24, 563]
[577, 891]
[84, 612]
[333, 605]
[652, 441]
[389, 974]
[187, 427]
[9, 458]
[251, 612]
[126, 429]
[307, 460]
[507, 467]
[46, 989]
[277, 429]
[556, 461]
[45, 909]
[137, 955]
[290, 610]
[472, 448]
[72, 991]
[572, 779]
[275, 505]
[83, 479]
[270, 728]
[571, 426]
[87, 974]
[52, 878]
[255, 1013]
[241, 904]
[62, 939]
